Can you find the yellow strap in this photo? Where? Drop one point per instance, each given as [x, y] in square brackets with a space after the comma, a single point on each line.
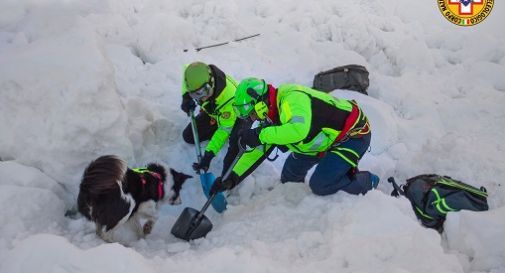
[361, 130]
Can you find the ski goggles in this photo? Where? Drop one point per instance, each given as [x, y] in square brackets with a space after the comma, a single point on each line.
[201, 92]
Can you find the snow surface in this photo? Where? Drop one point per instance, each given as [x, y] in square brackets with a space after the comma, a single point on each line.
[80, 79]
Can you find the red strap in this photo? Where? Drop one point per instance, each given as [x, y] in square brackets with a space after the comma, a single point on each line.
[160, 185]
[160, 190]
[273, 111]
[349, 122]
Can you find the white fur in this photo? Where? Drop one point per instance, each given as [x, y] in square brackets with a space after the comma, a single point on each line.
[169, 194]
[147, 214]
[128, 198]
[141, 223]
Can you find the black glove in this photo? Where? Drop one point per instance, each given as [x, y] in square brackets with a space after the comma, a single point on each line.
[188, 104]
[220, 185]
[204, 163]
[250, 137]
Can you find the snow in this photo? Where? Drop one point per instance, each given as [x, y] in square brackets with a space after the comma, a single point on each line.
[65, 257]
[80, 79]
[465, 234]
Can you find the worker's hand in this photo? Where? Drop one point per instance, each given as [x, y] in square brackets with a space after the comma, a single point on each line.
[204, 163]
[188, 104]
[220, 185]
[251, 138]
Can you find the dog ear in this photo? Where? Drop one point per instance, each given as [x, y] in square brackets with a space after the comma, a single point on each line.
[179, 176]
[157, 168]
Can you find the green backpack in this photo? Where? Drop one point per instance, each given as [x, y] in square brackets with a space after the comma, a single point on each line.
[433, 196]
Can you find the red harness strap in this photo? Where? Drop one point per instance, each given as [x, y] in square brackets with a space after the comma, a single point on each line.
[349, 122]
[355, 117]
[160, 184]
[273, 111]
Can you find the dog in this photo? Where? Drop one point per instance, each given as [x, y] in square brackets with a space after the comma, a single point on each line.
[111, 194]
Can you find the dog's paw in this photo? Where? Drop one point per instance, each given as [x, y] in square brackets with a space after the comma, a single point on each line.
[148, 227]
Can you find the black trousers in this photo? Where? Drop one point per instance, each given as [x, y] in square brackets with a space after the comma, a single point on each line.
[206, 127]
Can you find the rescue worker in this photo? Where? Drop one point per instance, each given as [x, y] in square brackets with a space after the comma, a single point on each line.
[213, 90]
[316, 127]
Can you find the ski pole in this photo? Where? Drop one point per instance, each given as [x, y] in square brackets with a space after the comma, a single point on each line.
[224, 43]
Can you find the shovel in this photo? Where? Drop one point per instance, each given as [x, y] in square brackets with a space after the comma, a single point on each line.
[193, 224]
[206, 178]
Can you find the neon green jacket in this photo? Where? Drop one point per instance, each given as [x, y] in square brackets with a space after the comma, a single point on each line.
[220, 108]
[309, 123]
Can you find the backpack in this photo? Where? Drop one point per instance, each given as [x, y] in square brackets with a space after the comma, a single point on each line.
[433, 196]
[351, 77]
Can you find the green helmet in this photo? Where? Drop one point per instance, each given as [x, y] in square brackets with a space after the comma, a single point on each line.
[196, 75]
[251, 94]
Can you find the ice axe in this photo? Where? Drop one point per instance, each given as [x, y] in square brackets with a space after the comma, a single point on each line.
[397, 190]
[206, 178]
[193, 224]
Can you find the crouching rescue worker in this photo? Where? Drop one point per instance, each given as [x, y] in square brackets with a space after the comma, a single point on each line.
[213, 90]
[317, 128]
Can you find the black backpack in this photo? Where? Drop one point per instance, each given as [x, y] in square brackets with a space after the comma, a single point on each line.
[433, 196]
[351, 77]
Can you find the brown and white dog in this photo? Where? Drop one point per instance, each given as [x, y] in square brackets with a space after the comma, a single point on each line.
[112, 194]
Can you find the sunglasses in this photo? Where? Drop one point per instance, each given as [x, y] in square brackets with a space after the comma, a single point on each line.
[201, 92]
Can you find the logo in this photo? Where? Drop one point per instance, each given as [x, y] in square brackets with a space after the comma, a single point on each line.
[465, 12]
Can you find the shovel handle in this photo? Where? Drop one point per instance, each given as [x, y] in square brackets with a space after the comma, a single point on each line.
[198, 218]
[237, 158]
[194, 129]
[206, 206]
[196, 221]
[228, 172]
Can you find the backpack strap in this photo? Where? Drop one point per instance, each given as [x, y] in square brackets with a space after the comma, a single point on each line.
[356, 124]
[440, 203]
[448, 181]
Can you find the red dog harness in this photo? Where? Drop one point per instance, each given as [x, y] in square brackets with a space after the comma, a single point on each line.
[160, 183]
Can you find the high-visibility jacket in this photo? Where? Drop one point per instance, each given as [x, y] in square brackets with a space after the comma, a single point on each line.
[219, 108]
[309, 122]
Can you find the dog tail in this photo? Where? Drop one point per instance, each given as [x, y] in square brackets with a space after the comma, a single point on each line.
[103, 175]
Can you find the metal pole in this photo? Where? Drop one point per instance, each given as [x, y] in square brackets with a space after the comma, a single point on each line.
[197, 49]
[195, 138]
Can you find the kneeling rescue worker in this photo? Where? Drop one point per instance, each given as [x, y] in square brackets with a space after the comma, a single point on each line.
[214, 91]
[316, 127]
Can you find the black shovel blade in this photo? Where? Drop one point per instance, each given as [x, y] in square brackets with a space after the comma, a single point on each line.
[189, 226]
